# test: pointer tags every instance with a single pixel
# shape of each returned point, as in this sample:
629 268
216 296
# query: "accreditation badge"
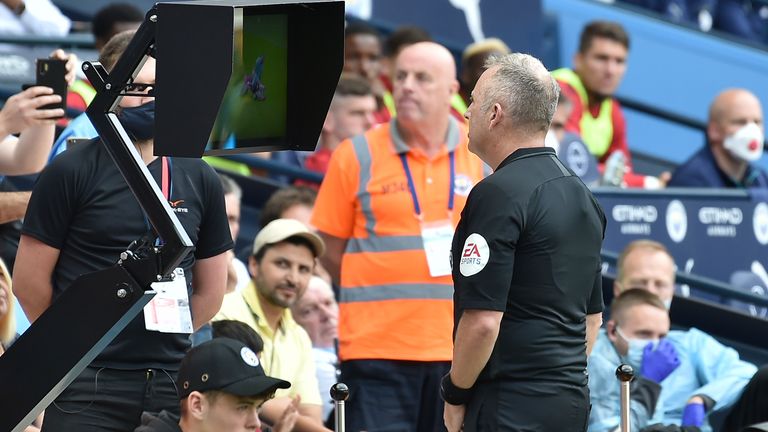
169 312
437 237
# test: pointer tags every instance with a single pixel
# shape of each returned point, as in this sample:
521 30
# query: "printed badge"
474 255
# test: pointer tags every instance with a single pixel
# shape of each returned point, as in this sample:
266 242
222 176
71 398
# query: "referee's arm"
475 338
594 321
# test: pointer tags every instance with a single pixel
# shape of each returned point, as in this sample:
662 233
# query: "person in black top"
526 267
81 216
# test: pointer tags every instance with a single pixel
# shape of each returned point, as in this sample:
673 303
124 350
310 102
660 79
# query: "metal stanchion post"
339 394
625 374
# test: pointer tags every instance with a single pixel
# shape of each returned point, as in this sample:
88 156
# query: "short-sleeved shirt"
528 244
287 351
82 206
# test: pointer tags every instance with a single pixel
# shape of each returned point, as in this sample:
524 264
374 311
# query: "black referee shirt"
528 244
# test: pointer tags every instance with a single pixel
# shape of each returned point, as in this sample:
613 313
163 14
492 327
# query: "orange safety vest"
390 306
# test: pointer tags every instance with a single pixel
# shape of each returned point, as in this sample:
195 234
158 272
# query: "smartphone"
52 73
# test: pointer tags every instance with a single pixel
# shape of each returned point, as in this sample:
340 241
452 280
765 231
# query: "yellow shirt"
287 352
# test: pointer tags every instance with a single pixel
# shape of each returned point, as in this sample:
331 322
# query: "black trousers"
527 407
395 396
102 399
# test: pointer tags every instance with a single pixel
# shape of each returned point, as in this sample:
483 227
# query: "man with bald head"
735 135
646 264
387 209
526 267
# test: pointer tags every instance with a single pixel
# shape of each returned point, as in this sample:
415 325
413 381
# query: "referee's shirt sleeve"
484 247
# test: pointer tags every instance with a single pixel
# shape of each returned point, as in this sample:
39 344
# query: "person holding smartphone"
26 134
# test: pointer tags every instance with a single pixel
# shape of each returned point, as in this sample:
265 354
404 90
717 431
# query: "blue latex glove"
694 414
660 362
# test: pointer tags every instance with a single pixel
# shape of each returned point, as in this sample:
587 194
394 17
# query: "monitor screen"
262 81
253 111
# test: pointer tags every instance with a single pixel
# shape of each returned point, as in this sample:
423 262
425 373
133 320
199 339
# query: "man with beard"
283 258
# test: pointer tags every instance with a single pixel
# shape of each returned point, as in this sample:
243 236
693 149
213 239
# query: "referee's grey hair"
525 90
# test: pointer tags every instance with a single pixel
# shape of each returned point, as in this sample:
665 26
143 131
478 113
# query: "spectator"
23 114
7 313
81 216
270 411
32 17
599 66
747 19
402 37
646 264
383 198
238 276
221 385
113 19
569 146
473 65
362 58
8 325
735 136
350 114
318 312
108 21
284 254
293 202
684 375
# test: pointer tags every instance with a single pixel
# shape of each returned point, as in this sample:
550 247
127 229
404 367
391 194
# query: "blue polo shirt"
701 170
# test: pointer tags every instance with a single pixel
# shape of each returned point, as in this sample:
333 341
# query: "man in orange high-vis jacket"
386 210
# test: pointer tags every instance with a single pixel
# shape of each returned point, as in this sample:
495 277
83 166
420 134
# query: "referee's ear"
497 115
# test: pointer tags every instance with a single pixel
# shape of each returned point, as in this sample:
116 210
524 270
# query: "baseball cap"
281 229
225 365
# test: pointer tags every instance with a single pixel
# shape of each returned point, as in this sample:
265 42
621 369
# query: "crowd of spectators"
345 279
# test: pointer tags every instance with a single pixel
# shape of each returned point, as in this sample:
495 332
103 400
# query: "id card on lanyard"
436 236
169 311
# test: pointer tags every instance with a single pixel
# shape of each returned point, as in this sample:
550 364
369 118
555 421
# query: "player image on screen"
253 82
247 117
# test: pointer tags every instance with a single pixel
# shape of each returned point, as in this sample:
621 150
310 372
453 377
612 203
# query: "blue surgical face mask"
634 355
139 121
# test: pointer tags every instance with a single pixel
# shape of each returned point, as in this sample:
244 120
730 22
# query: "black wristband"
454 395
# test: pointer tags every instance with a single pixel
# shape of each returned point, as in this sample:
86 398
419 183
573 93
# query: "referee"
526 267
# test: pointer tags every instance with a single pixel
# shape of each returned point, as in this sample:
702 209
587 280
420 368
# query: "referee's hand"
453 416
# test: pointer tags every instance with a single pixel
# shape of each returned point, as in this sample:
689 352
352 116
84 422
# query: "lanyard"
166 186
412 186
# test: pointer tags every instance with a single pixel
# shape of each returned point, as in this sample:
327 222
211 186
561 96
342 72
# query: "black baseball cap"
226 365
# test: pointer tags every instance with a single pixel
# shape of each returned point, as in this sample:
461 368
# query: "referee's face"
477 114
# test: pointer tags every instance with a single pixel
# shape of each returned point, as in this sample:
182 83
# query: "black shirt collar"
525 152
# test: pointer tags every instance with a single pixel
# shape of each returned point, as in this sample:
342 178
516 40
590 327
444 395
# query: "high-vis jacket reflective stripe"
597 132
390 306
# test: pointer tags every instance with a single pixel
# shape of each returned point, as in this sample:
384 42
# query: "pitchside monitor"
237 76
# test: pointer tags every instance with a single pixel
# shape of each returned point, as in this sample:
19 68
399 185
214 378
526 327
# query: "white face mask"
746 143
551 141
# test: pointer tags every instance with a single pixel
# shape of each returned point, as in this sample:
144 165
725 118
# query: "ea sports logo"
677 221
474 255
760 223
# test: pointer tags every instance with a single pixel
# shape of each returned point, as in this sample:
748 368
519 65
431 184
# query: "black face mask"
139 121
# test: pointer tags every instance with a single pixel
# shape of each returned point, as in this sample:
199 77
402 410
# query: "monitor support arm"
97 306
